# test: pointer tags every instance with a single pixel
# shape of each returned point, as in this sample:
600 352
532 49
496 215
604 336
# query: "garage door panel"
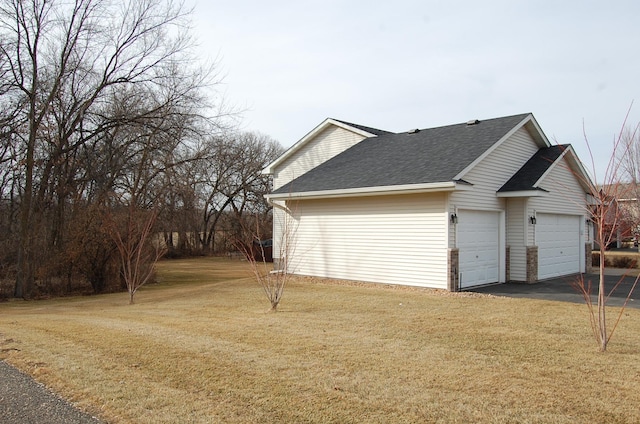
558 239
478 244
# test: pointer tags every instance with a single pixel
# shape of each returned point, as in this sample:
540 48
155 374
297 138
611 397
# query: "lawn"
200 347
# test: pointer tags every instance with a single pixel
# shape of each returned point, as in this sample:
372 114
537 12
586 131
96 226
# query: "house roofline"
575 167
309 136
374 191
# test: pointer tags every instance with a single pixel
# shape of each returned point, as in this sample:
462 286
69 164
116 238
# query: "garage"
558 239
478 234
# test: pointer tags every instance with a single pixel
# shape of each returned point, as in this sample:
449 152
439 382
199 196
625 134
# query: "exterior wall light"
532 219
454 218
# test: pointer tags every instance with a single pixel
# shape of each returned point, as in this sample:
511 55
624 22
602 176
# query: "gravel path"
24 401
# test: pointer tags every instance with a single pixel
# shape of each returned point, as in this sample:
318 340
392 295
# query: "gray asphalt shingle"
427 156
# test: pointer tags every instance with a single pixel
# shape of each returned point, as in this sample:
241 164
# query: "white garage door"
478 234
558 239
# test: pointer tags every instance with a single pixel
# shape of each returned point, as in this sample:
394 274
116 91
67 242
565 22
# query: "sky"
398 65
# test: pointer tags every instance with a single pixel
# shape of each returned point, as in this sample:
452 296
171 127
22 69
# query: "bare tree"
180 216
231 184
272 279
138 253
84 81
606 217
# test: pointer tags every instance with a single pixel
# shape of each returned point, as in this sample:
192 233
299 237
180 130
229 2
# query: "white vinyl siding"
516 227
494 171
329 143
387 239
565 194
280 223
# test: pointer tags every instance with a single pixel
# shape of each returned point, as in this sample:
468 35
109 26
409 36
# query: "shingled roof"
531 172
418 157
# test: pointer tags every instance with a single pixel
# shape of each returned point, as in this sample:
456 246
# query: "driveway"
23 400
560 289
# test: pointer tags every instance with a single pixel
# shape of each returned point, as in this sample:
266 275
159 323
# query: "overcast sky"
397 65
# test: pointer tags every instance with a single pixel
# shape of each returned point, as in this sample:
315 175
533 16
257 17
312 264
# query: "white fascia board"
577 168
550 168
523 193
310 135
373 191
585 178
539 131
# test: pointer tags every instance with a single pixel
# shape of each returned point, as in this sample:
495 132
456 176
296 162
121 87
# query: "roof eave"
523 193
374 191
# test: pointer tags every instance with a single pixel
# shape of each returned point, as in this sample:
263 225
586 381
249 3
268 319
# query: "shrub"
614 261
623 262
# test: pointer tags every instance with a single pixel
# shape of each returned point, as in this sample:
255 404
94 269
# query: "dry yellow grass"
200 347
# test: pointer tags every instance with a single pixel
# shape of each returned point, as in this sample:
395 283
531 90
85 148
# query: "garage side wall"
387 239
329 143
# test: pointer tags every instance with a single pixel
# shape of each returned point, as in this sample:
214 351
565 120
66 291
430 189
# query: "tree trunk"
602 320
25 274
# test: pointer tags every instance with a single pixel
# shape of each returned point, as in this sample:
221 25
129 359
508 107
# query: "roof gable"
369 130
530 176
358 129
529 122
427 156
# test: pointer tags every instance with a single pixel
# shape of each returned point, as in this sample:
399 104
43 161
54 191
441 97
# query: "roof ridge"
465 123
371 130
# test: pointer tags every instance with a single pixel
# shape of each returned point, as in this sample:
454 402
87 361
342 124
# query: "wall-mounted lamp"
532 219
454 218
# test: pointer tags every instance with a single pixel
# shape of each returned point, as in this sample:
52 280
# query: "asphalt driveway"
23 400
560 289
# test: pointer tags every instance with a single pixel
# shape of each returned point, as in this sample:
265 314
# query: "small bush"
616 261
623 262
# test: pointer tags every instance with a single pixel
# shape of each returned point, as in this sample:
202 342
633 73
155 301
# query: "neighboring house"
622 220
451 207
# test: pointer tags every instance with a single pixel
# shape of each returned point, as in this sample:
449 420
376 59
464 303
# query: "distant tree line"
108 123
